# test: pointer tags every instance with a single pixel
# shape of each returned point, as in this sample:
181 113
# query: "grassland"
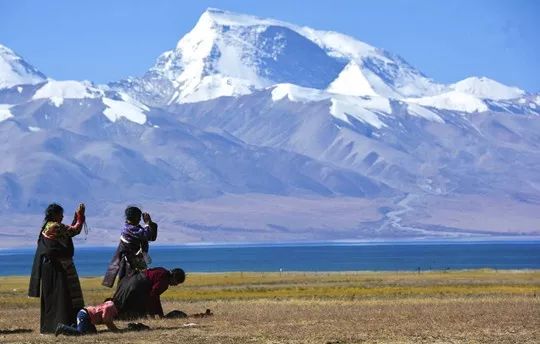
481 306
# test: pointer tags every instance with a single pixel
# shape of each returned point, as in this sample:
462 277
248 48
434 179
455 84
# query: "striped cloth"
74 286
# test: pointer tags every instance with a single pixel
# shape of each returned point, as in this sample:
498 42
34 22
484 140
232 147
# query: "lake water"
92 261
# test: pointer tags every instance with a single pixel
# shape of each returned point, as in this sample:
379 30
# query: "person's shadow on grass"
158 328
16 330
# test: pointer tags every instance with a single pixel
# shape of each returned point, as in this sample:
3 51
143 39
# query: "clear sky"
106 40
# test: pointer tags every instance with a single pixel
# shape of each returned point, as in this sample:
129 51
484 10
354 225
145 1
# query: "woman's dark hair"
52 212
178 276
133 214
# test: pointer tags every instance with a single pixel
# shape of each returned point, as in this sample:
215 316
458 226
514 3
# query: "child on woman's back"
132 253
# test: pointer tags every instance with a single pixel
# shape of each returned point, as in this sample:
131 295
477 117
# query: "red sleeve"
76 225
154 305
159 279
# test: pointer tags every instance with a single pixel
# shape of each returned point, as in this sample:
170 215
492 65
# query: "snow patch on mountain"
419 111
341 106
213 86
486 88
57 91
338 44
298 94
351 81
4 112
126 107
14 70
453 100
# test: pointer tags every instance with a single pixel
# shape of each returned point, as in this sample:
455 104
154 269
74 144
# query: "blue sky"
105 40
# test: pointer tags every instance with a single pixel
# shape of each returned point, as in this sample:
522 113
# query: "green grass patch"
339 286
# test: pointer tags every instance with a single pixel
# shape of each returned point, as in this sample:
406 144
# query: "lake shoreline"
307 257
454 241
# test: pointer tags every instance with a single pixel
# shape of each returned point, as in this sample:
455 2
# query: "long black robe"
51 281
131 296
120 263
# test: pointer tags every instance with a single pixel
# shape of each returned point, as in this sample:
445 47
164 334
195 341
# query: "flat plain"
478 306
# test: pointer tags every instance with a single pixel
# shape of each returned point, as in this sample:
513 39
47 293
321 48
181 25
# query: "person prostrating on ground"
139 295
89 317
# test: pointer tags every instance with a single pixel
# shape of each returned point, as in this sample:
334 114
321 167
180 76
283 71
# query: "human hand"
81 209
146 218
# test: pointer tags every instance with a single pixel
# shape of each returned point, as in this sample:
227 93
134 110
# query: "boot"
66 330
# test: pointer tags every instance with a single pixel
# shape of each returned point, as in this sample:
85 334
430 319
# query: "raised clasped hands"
146 218
81 209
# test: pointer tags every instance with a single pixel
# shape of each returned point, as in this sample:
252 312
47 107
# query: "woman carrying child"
131 256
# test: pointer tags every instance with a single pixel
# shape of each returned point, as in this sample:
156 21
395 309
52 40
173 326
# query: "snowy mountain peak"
232 54
229 54
14 70
228 18
486 88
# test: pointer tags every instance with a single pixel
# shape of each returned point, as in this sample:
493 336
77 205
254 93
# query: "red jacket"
159 279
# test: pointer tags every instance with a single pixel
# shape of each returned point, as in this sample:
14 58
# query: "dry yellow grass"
480 306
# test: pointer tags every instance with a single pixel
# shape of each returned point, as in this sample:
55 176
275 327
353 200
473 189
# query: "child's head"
177 276
133 215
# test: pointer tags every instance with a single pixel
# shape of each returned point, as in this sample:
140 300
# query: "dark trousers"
84 325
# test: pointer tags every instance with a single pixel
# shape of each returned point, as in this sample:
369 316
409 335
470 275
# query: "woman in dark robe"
54 277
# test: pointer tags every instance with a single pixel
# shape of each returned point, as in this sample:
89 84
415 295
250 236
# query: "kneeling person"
139 295
90 316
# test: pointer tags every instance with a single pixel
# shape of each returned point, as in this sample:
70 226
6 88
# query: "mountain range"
255 129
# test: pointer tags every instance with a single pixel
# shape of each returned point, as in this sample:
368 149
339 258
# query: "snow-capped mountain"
228 54
16 71
245 109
